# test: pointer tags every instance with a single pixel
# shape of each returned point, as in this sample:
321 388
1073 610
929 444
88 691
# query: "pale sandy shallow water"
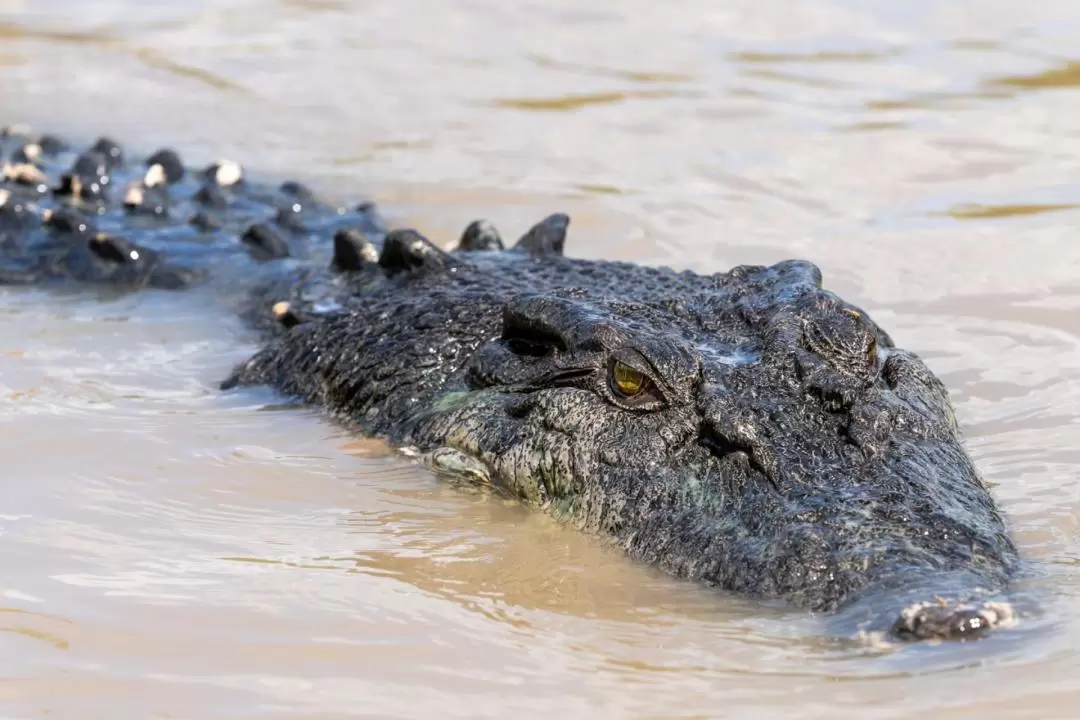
169 551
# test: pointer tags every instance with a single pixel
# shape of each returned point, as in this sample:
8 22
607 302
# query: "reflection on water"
170 551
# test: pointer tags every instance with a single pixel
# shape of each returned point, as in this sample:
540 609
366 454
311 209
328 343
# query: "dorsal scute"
113 249
480 235
353 250
547 237
264 242
408 250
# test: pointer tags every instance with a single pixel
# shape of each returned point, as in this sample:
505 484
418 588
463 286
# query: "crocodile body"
747 429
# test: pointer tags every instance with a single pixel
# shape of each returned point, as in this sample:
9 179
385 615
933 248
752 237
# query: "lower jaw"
447 461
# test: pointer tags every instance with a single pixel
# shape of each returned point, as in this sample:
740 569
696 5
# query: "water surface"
172 552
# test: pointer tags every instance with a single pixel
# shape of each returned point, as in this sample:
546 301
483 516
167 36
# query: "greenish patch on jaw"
456 398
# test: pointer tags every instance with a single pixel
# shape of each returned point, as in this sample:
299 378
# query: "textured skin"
781 447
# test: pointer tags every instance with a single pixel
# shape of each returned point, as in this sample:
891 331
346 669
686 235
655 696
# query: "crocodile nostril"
721 446
729 439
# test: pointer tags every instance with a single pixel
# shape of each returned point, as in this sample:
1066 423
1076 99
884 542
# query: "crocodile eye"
626 381
871 351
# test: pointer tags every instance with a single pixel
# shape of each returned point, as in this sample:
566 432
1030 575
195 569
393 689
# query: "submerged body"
747 429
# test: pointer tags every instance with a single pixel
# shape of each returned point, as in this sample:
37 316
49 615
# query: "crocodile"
747 429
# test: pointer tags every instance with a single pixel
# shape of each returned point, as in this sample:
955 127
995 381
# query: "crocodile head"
747 429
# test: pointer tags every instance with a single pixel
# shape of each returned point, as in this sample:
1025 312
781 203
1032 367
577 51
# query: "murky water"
168 551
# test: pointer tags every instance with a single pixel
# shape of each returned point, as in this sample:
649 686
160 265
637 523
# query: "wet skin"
747 429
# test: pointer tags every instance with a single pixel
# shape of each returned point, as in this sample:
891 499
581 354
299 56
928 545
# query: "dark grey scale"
264 242
148 201
113 249
88 178
170 164
480 235
51 145
298 192
14 214
298 206
27 153
210 195
369 220
111 150
225 174
288 316
206 222
75 187
174 278
353 250
19 276
291 218
104 258
547 237
92 164
27 175
405 250
67 220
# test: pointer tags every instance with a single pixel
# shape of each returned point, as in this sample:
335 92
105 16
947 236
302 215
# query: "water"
172 552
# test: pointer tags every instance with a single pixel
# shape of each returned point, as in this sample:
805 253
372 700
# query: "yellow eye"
871 351
626 380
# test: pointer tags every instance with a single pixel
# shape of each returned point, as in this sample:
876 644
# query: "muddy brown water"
168 551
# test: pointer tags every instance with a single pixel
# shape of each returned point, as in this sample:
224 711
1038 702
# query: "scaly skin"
747 429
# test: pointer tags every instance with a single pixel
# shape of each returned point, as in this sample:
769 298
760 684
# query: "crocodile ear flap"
547 237
408 250
352 251
113 249
480 235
